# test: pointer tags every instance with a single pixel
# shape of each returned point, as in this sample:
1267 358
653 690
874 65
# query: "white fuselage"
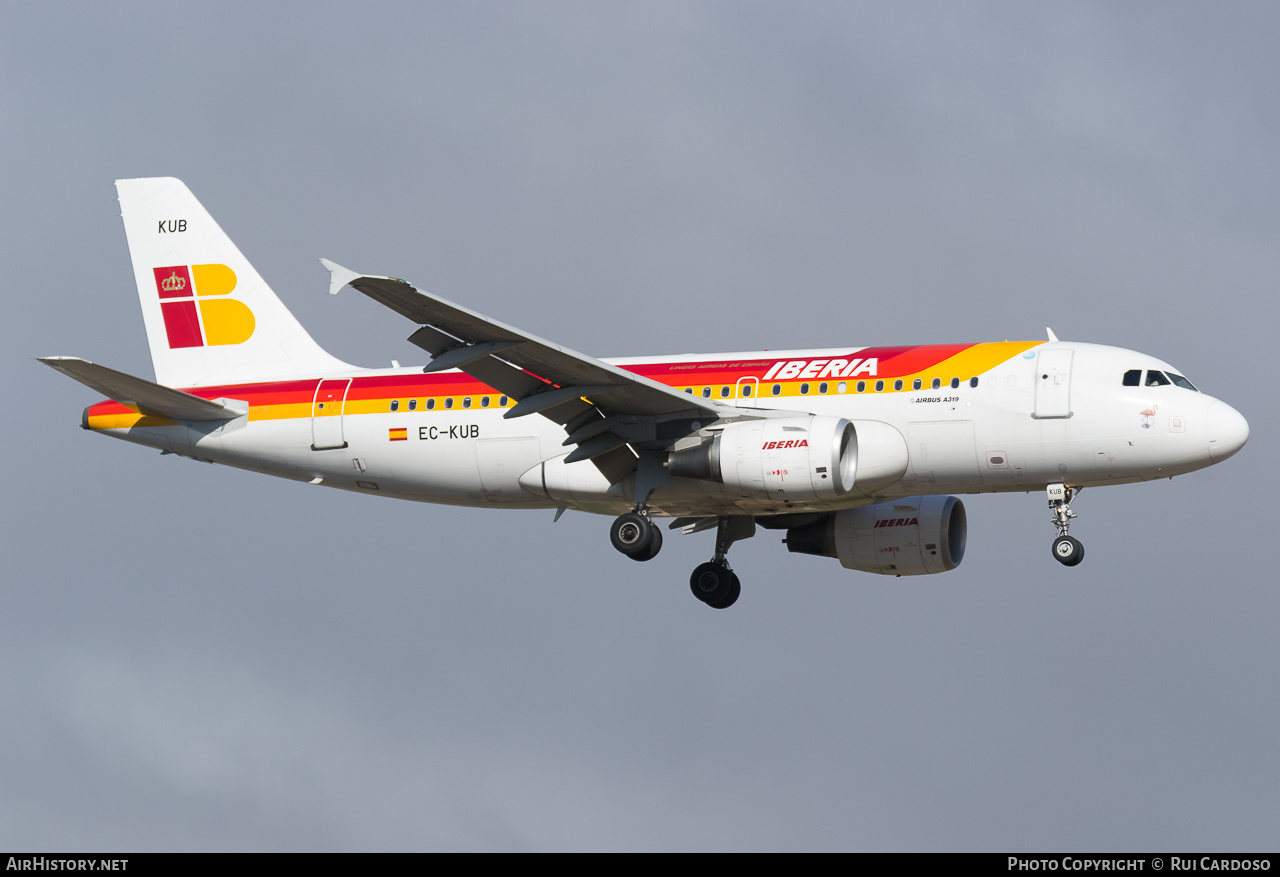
1020 428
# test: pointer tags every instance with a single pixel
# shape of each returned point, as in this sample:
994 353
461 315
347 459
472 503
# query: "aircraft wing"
138 393
587 396
457 337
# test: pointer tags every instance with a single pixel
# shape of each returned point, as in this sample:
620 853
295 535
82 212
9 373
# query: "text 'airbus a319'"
854 451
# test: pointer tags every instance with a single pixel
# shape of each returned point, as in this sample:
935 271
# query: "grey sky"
199 658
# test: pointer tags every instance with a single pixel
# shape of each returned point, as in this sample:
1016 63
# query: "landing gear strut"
714 582
634 534
1066 550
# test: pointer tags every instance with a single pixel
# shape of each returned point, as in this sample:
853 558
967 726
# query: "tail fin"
210 318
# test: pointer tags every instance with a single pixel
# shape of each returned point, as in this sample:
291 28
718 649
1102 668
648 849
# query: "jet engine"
791 458
915 535
797 458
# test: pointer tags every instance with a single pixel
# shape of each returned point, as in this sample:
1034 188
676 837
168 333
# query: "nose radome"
1228 431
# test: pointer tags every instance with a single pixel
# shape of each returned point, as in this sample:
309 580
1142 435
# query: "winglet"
339 276
1049 332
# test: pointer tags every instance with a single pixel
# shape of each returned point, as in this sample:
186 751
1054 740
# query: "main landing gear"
1066 550
635 535
714 582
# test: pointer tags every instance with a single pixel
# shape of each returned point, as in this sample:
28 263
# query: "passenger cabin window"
937 383
706 392
915 385
822 388
413 404
777 388
879 386
689 390
431 403
1156 379
955 383
724 392
842 387
804 389
1133 377
746 389
484 401
897 385
448 403
973 382
861 386
395 404
502 402
466 403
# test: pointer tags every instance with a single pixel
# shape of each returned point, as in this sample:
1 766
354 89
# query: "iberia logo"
191 317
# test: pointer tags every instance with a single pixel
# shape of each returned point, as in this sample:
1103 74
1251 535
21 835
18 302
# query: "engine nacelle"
790 458
916 535
797 458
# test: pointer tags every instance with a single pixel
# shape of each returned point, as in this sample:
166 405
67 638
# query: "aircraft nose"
1228 431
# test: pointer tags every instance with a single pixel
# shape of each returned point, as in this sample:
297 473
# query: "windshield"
1135 377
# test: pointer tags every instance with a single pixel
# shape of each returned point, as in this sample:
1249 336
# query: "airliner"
855 452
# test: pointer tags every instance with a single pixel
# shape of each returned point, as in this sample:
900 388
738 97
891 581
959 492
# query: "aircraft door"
747 391
326 414
1053 382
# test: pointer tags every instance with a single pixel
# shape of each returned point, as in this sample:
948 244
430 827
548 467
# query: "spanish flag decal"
398 434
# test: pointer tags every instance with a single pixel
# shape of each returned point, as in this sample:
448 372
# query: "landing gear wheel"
735 591
655 545
632 534
1067 550
715 585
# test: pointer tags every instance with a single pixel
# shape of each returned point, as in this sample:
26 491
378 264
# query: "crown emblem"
173 283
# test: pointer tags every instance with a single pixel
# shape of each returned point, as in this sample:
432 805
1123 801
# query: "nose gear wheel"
1066 550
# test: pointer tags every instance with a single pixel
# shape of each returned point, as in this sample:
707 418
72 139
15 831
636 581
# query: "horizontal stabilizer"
138 393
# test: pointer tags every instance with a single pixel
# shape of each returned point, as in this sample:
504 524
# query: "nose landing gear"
1066 550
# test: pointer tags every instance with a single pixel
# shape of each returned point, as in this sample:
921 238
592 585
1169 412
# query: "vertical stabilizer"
210 318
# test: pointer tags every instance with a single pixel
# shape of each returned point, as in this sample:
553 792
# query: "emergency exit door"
326 414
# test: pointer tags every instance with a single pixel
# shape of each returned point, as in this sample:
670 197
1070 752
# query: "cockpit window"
1133 377
1182 382
1156 379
